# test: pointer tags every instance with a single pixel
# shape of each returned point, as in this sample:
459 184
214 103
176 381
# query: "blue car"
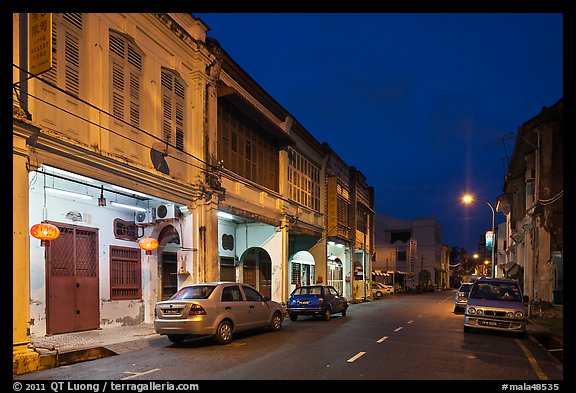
316 300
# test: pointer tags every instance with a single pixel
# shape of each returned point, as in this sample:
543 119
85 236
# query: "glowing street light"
468 199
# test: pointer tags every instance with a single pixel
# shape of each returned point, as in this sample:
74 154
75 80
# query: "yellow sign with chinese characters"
39 42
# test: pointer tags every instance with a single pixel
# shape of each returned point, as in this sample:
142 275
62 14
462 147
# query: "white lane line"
134 375
399 328
355 357
410 321
382 339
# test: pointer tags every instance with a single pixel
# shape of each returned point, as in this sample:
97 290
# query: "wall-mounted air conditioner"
144 218
167 212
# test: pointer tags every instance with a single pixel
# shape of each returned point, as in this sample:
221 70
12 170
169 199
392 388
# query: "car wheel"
224 332
344 312
176 338
276 323
379 294
327 314
293 317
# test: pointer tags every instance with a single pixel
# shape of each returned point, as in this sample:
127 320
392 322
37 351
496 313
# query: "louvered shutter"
66 45
126 67
173 109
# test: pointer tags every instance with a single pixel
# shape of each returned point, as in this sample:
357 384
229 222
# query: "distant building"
412 250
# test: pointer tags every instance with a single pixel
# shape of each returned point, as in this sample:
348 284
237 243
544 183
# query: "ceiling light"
225 215
68 174
68 194
130 191
130 207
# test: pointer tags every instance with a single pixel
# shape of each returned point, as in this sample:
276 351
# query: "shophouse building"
144 128
532 201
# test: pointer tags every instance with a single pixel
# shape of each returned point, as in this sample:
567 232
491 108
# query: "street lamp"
468 199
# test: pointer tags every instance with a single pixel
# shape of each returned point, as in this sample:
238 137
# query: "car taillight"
196 309
320 300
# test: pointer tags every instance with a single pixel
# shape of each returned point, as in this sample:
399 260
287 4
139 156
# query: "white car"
379 289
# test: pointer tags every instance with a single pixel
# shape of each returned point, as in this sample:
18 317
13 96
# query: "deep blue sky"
419 103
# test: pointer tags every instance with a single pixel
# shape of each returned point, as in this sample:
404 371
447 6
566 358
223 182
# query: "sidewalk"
68 348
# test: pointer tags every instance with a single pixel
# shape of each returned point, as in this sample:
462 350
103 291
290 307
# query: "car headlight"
479 312
519 314
510 314
471 310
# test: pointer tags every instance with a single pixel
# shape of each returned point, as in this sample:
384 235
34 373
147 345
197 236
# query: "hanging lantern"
45 232
149 244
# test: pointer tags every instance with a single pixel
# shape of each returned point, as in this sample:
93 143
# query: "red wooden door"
72 280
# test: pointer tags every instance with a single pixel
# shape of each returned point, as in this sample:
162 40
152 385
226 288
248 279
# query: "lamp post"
469 199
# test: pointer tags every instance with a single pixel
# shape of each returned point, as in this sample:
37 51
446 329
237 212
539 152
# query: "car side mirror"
525 298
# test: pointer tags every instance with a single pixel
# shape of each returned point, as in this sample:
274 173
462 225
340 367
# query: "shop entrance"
169 243
72 300
257 270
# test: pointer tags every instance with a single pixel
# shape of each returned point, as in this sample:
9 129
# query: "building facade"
533 204
143 127
412 250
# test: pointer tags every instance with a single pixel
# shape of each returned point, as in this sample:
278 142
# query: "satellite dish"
159 161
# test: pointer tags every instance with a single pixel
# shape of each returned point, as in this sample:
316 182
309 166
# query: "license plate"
304 302
175 311
487 323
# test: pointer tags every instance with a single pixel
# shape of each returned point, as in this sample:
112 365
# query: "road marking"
532 361
382 339
410 321
353 358
398 329
139 374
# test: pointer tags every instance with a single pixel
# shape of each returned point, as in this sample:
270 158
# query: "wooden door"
72 280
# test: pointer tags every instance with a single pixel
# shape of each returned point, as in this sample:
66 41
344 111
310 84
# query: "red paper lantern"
45 231
149 244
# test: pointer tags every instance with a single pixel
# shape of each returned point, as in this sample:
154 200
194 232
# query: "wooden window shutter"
173 118
126 67
66 49
73 37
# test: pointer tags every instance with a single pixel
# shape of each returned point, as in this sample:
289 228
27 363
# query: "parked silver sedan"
217 309
497 304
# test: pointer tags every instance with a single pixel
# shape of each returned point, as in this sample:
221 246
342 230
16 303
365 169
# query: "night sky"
426 105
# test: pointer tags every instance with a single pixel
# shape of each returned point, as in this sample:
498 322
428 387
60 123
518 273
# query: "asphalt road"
400 337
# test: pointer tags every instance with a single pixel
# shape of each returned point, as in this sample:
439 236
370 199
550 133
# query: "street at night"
400 337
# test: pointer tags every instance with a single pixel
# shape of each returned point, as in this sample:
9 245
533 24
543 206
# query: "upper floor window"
173 109
303 180
126 69
66 50
245 148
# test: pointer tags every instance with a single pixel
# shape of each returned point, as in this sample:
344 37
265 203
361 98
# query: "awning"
379 273
243 104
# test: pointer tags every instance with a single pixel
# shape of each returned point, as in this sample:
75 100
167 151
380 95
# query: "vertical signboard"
39 42
489 240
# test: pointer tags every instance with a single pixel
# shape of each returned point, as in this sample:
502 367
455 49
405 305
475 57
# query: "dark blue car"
321 300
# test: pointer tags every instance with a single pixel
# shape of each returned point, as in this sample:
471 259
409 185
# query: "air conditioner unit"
167 212
144 218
